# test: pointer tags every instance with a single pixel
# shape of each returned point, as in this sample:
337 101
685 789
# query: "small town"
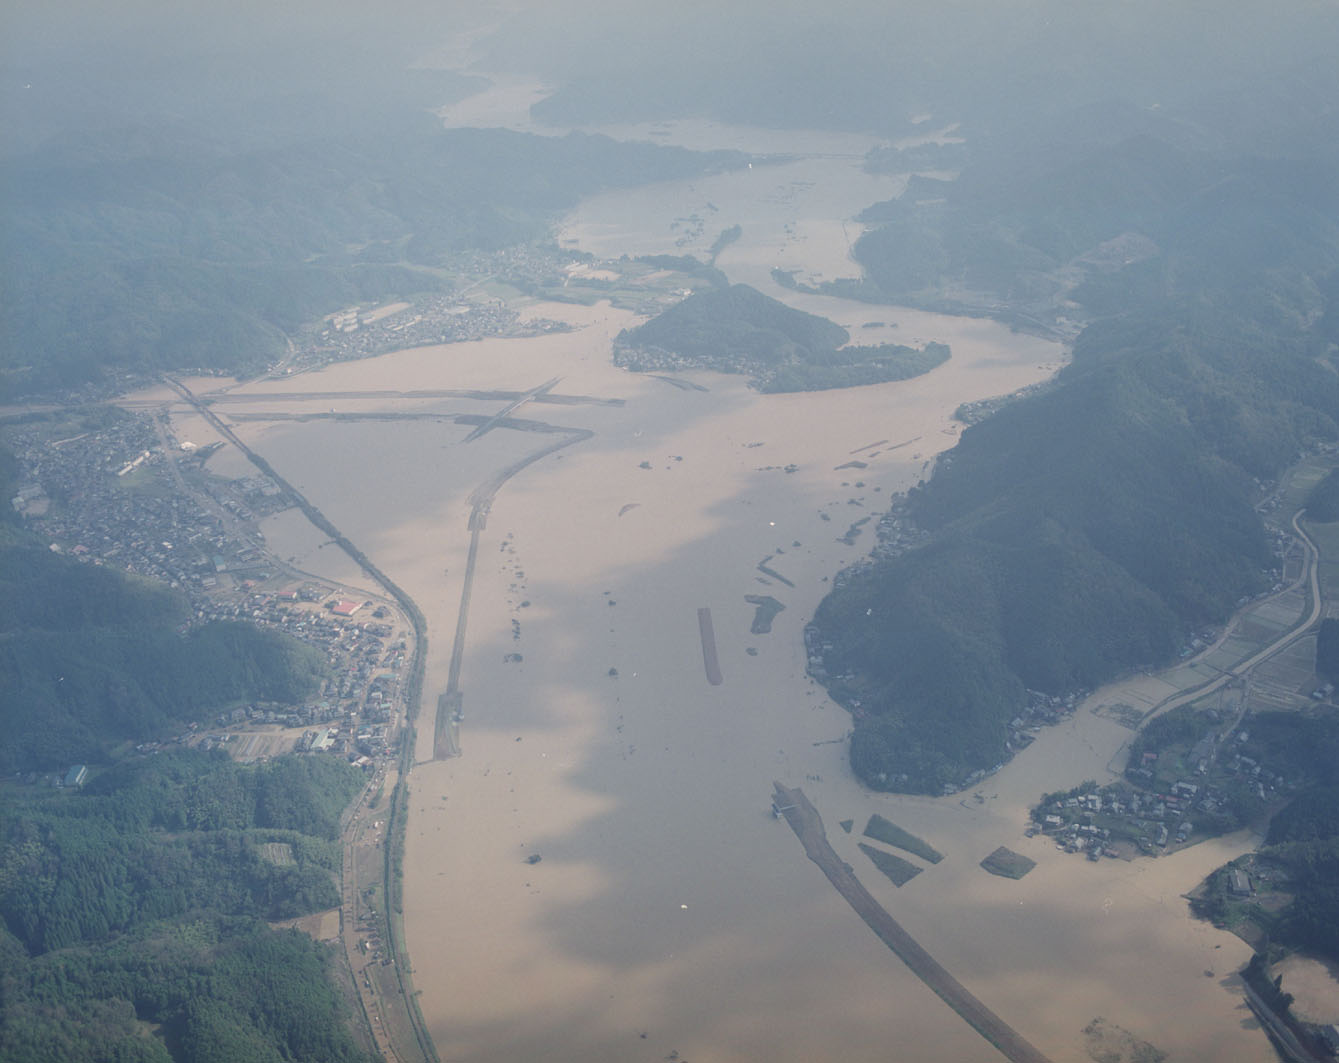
1195 787
132 497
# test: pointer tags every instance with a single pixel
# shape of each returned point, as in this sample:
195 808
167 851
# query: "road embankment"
805 821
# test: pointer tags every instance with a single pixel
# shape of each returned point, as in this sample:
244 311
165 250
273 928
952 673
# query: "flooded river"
668 915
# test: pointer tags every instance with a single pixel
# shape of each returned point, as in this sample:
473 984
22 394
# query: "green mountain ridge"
1085 530
1077 534
156 253
738 329
90 658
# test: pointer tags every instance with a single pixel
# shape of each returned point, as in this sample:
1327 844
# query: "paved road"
219 397
415 617
511 407
1311 576
354 825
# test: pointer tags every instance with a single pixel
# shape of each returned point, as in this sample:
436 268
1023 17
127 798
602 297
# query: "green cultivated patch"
899 871
278 853
765 610
1007 863
891 834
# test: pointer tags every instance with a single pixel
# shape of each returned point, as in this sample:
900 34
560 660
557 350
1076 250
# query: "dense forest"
1303 838
737 329
164 218
129 913
1086 529
90 657
131 908
1322 502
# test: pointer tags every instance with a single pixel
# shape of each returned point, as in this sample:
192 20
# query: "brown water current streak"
805 821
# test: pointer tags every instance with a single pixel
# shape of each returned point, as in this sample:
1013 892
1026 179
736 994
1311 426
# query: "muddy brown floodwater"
670 912
668 902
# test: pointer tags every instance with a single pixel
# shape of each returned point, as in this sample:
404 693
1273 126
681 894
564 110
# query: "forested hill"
91 657
1040 231
737 321
131 914
737 329
132 908
873 66
1086 530
140 235
1077 533
155 252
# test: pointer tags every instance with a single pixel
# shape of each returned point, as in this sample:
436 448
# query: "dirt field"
323 926
262 744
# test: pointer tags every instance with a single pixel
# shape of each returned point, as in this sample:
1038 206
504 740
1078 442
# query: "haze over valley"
610 533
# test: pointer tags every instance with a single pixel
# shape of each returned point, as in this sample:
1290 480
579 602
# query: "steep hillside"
90 657
1075 534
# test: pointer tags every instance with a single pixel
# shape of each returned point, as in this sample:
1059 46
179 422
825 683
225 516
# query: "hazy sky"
853 60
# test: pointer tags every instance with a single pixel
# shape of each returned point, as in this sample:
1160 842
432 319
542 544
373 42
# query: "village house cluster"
356 711
1094 822
365 656
77 496
354 714
353 333
1206 801
143 525
457 317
